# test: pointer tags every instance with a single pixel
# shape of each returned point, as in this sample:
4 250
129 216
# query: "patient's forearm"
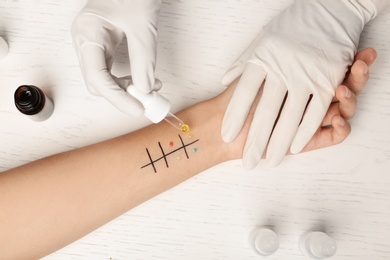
52 202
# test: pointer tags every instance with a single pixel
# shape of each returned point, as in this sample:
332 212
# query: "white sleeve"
381 5
369 9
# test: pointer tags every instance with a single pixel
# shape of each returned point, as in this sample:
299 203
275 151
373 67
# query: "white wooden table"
344 190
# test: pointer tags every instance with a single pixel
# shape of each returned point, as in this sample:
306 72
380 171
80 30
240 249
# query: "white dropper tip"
177 122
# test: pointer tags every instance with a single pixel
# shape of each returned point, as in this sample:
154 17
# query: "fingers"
233 73
99 79
335 125
286 128
358 77
329 136
346 106
241 101
142 53
347 102
312 119
359 74
237 68
367 55
345 99
263 121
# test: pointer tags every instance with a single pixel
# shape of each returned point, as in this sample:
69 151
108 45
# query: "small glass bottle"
31 101
317 245
264 241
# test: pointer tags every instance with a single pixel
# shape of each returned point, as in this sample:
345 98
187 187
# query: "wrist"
205 118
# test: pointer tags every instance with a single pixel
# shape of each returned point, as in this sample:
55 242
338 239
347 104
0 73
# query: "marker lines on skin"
165 155
184 146
151 161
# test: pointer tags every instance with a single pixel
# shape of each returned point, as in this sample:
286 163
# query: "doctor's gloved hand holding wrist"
99 29
301 57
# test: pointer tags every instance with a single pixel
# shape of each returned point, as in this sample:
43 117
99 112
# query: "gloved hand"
99 29
301 57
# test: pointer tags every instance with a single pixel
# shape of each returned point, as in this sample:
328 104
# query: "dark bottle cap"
29 99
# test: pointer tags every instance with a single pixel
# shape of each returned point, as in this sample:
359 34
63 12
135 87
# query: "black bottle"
32 102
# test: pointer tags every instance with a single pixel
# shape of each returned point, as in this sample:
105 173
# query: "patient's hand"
335 127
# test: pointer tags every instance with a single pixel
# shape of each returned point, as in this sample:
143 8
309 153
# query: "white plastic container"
317 245
264 241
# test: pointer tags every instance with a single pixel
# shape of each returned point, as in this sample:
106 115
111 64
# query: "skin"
344 104
54 201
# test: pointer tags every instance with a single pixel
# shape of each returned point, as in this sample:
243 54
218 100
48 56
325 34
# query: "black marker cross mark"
164 155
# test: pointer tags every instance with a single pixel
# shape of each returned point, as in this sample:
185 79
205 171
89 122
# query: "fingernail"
341 121
373 57
348 93
365 70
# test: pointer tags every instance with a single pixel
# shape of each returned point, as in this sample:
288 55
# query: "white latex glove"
305 53
99 29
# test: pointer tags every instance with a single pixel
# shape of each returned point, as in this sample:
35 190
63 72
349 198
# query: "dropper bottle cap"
156 106
317 245
264 241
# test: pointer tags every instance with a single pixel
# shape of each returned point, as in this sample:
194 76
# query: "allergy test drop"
177 122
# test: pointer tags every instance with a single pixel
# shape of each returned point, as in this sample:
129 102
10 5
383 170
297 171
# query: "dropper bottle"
317 245
32 102
157 108
264 241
